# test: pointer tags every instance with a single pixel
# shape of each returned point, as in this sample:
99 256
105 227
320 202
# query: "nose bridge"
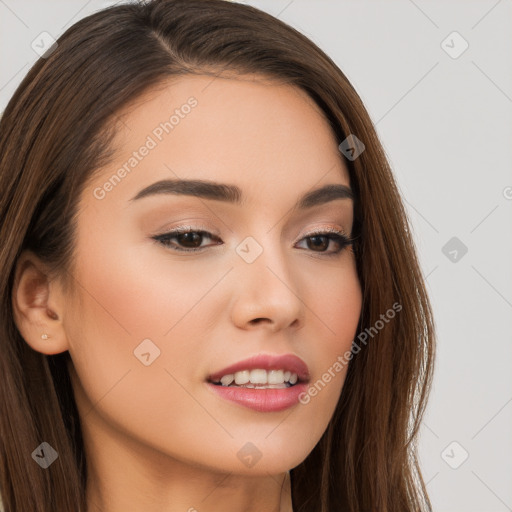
267 284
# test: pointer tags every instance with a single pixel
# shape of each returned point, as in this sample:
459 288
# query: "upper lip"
286 362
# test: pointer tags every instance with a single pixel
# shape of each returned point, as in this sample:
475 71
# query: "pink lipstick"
265 383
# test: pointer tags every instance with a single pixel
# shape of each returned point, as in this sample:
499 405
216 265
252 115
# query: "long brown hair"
56 132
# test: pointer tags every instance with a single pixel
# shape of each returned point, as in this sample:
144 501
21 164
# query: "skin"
156 438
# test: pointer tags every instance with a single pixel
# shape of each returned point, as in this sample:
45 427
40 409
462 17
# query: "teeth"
259 378
227 380
242 377
275 377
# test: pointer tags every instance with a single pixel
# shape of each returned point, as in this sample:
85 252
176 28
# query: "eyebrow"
233 194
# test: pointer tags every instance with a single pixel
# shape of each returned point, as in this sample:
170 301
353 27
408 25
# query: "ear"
38 306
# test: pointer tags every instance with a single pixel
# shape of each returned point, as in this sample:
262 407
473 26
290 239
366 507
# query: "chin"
265 460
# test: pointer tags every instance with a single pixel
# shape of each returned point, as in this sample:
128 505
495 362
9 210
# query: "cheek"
132 306
135 291
334 302
125 303
127 300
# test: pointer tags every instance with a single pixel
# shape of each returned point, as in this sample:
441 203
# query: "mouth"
259 378
263 371
263 382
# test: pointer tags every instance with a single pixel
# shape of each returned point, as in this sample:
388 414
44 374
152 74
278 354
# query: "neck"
123 474
192 492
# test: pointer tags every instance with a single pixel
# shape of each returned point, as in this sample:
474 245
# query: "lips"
286 362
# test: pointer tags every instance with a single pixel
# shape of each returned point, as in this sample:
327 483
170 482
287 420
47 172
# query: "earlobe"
37 306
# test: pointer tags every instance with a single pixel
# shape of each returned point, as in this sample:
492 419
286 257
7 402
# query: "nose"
266 293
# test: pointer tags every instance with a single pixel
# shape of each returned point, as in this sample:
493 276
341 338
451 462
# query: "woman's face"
157 319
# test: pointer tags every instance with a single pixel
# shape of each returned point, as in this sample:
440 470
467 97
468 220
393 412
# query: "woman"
212 299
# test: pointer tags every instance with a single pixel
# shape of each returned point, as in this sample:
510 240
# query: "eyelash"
331 233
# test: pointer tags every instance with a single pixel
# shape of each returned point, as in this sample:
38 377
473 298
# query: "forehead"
263 136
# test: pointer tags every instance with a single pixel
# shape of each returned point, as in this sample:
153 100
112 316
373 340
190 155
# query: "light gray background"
446 126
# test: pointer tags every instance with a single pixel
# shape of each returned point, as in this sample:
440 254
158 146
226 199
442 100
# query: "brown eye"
318 242
191 240
186 240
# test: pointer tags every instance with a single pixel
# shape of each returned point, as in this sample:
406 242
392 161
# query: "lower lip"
262 400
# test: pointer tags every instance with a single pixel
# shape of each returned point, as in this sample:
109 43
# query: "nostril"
257 320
